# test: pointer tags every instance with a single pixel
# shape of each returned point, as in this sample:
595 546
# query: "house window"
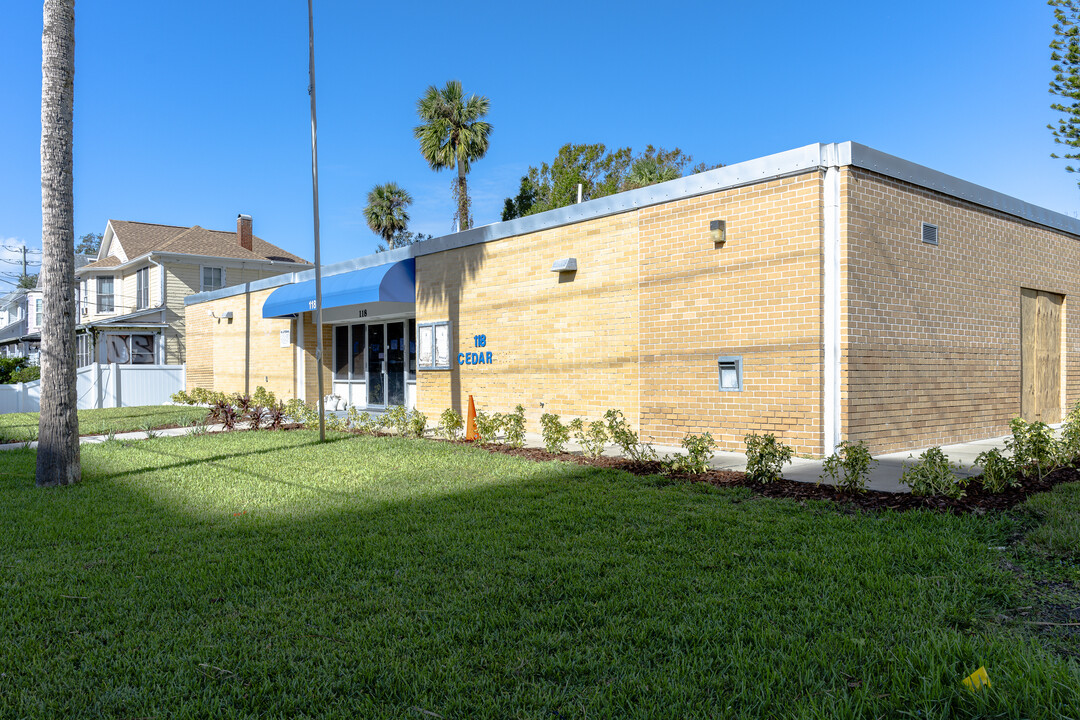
730 374
213 278
130 349
37 311
433 345
105 294
82 350
142 289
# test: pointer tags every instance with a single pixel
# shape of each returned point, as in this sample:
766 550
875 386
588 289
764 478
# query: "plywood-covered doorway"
1040 355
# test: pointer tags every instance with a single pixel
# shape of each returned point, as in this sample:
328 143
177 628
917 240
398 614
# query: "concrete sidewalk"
884 476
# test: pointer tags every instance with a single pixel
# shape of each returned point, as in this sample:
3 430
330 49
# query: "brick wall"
932 333
641 323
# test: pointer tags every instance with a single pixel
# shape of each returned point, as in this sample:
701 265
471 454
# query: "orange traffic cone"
470 424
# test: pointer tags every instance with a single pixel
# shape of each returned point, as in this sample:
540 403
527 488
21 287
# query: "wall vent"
929 234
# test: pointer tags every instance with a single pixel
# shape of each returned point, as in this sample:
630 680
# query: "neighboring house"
131 297
831 292
21 316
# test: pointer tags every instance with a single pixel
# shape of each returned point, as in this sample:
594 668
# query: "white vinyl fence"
104 386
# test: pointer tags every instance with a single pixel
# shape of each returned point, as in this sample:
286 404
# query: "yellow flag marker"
977 680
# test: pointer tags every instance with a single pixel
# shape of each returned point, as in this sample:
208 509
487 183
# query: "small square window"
730 374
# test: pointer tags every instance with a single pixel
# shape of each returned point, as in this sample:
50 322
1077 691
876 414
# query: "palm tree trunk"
464 221
58 425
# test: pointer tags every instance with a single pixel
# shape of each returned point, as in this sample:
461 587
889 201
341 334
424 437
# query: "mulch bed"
976 500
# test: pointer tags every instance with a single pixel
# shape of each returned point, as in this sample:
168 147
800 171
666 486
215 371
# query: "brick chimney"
243 231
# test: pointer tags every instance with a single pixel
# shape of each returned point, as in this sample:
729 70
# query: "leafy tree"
1065 54
58 422
387 211
28 282
599 171
453 135
89 244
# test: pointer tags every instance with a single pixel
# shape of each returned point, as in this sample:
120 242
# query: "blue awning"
393 282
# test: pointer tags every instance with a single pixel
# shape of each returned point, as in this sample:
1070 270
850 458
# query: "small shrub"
275 416
450 423
296 409
627 440
514 427
765 457
219 409
591 439
398 418
334 423
999 471
181 398
849 467
242 402
933 474
488 427
1069 445
10 365
699 451
554 432
417 423
26 374
263 397
229 416
257 415
1034 449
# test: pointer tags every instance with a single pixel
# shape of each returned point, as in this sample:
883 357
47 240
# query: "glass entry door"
376 366
395 363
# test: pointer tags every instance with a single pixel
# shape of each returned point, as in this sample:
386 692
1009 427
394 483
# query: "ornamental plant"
450 423
554 432
592 439
417 423
699 451
934 474
488 426
849 467
1069 445
765 457
1034 449
627 440
398 418
999 471
514 427
263 397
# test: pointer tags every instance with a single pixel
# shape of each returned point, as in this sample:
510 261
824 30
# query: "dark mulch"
976 499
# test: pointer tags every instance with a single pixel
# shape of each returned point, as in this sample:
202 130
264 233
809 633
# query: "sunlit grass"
18 427
254 574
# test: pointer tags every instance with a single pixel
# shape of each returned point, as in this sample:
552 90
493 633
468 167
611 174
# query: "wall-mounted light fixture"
565 265
227 315
718 231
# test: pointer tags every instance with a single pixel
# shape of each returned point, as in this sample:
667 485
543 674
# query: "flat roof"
808 158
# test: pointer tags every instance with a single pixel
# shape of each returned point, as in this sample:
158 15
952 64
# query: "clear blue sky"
191 112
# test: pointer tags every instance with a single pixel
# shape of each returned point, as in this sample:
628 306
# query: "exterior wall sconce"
565 265
227 315
718 231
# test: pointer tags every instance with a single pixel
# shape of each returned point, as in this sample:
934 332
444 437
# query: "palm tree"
58 424
648 171
386 212
453 136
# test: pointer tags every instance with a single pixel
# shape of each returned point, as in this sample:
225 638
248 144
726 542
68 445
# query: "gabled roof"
138 239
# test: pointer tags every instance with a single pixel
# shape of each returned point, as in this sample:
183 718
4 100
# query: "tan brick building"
825 293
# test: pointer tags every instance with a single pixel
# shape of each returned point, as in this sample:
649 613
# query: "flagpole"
315 211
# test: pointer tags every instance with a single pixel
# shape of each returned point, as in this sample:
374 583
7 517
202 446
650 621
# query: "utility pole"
315 212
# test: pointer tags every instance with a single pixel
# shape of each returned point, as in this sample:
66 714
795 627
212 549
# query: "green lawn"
263 574
17 427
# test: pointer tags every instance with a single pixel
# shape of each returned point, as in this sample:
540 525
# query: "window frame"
431 330
142 288
202 277
727 362
99 295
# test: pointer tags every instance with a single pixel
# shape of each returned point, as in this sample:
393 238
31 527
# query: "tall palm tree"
58 425
453 135
386 212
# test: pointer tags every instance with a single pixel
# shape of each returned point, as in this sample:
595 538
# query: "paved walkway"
884 476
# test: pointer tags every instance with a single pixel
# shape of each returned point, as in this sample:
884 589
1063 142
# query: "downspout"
831 420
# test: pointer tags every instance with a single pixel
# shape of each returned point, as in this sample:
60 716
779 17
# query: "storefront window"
412 349
341 352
